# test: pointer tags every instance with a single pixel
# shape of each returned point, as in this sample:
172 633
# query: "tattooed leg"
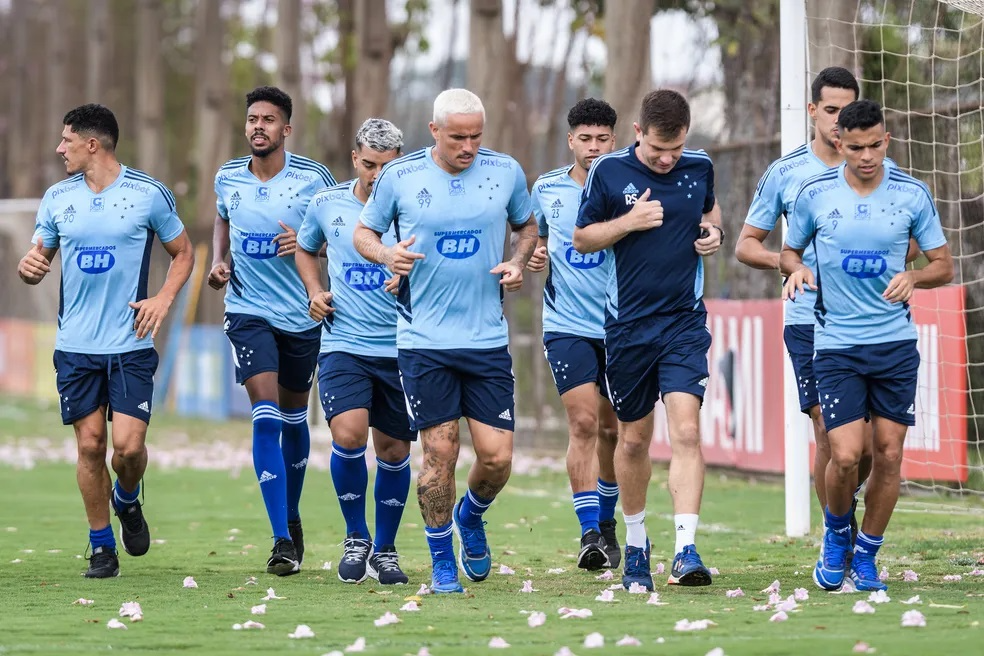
435 482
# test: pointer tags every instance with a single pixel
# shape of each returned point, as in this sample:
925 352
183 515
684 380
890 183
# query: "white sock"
635 529
686 530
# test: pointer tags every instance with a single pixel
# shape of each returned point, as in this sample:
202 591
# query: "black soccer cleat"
612 548
134 532
356 551
592 555
297 537
103 564
283 559
384 566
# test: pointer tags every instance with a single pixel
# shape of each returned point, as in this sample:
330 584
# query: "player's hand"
319 306
286 240
392 285
150 315
219 275
401 258
710 244
645 214
900 288
511 275
798 282
34 266
538 261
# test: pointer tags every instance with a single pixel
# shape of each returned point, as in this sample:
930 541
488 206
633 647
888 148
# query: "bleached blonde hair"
456 101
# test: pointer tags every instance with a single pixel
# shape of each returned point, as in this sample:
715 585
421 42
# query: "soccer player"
656 336
358 377
574 332
261 201
104 218
858 218
450 205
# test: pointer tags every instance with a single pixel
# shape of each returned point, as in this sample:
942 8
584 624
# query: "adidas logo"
144 406
557 203
423 194
392 503
236 196
338 221
703 382
834 215
349 496
300 465
681 528
266 476
505 414
911 410
630 189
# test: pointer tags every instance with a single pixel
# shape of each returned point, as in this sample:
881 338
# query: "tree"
287 43
628 76
832 38
151 147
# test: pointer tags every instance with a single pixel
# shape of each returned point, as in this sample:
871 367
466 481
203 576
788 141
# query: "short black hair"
592 111
97 121
274 96
837 77
860 115
667 111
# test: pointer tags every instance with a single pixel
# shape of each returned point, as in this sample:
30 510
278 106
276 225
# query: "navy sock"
122 498
472 509
439 541
296 445
607 500
868 545
391 491
351 478
586 506
102 538
268 462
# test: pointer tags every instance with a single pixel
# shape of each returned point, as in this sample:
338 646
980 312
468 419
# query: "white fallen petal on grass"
606 596
594 641
498 643
909 576
847 587
54 551
800 594
775 598
564 651
636 588
302 631
879 597
863 648
883 575
234 531
781 616
410 607
577 613
737 592
556 570
505 570
714 571
15 561
258 610
654 600
536 619
83 602
334 653
773 588
326 566
952 577
189 582
131 609
660 568
788 605
386 619
913 618
424 590
423 651
912 600
246 626
863 608
158 541
528 586
628 641
28 551
717 651
271 595
608 575
762 607
115 624
251 580
357 646
616 587
696 625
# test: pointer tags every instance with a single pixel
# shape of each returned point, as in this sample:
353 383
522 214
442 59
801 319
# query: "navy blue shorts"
123 382
799 343
258 347
446 385
347 381
878 379
653 356
575 360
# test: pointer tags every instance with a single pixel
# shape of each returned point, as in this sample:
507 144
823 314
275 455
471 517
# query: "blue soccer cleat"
832 562
445 577
864 573
474 556
636 568
688 569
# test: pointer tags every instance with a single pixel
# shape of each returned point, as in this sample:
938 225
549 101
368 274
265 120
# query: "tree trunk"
374 42
211 99
831 35
490 63
287 40
29 138
627 74
98 56
151 147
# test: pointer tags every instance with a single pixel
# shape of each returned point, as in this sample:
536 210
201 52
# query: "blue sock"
391 491
268 462
587 508
122 498
351 478
439 541
868 545
472 509
102 538
608 499
836 522
296 445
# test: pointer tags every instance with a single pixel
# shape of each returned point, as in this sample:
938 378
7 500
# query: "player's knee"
634 446
348 439
583 426
608 434
92 447
686 438
133 449
888 455
392 450
845 458
497 463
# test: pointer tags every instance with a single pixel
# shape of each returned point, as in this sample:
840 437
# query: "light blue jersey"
262 284
574 295
861 244
450 300
364 321
105 241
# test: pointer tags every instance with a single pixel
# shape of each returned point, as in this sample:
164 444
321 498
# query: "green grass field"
214 529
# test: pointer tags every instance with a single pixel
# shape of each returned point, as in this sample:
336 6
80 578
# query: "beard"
263 151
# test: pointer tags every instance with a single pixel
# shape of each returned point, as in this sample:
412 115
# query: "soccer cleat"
831 565
612 548
636 568
103 564
356 552
474 556
592 555
688 569
864 573
297 537
134 532
283 559
384 566
445 577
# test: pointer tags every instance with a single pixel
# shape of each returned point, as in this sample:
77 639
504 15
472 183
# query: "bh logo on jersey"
582 261
260 246
97 259
864 265
459 244
364 278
